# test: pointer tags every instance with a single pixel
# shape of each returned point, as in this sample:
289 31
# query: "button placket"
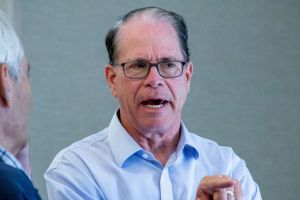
166 185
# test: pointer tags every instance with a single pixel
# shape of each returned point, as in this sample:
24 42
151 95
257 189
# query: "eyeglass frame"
183 64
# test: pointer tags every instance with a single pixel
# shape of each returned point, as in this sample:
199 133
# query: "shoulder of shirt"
89 140
86 142
201 142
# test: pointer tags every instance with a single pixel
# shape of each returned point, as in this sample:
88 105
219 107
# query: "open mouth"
154 103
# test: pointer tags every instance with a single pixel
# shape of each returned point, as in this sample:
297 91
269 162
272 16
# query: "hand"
23 157
219 187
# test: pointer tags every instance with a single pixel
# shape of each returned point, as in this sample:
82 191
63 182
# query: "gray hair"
11 49
150 13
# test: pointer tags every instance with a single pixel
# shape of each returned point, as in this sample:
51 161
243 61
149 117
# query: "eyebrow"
159 60
169 59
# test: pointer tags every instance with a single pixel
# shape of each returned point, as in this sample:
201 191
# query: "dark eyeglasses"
140 69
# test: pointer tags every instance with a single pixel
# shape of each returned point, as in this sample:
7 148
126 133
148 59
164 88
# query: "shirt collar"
186 144
124 146
9 159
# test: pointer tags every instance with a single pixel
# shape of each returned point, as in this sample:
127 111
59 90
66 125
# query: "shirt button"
145 156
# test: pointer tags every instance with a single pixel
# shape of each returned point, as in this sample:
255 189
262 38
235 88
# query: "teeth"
154 106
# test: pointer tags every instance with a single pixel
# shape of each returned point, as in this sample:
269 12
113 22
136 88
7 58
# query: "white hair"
11 49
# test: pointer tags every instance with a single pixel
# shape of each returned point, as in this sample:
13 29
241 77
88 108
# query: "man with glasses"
147 152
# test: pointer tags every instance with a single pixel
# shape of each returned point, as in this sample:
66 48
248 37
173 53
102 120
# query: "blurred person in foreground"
15 105
147 152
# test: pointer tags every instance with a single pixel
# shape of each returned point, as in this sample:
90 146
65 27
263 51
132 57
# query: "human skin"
155 127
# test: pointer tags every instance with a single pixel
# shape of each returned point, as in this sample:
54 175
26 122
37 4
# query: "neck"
7 140
9 144
5 144
161 141
161 145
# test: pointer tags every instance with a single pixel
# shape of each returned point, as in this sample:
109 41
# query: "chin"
154 126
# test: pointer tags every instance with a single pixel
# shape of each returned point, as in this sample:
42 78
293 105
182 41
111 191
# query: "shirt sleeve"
69 179
240 172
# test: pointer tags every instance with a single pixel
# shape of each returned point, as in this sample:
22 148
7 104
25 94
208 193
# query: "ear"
5 86
188 74
110 75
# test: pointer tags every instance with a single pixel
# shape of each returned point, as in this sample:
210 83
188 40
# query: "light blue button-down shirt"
111 165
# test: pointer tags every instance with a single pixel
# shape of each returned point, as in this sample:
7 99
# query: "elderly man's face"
20 104
152 104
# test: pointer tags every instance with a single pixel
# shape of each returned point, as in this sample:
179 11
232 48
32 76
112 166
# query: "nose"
153 79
